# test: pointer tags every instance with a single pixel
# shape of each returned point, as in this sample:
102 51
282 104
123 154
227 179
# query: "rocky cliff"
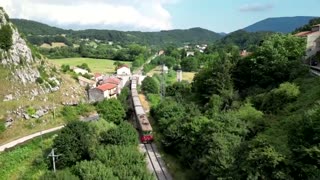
17 55
27 80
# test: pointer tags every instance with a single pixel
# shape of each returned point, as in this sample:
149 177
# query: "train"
144 126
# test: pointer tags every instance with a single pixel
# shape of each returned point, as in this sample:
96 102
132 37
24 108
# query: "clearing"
96 65
187 76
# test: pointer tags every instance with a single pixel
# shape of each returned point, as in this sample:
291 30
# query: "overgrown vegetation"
6 37
239 117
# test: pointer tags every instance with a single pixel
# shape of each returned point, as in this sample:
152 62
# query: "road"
26 138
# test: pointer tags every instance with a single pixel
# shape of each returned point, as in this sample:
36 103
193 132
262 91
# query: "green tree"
111 110
190 64
123 134
6 37
93 170
214 79
150 85
277 60
73 144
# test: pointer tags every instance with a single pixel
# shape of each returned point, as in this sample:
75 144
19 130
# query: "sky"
154 15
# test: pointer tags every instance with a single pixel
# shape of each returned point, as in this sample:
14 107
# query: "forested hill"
193 35
245 40
29 27
279 24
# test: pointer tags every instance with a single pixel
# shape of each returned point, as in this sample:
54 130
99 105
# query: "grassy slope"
25 161
96 65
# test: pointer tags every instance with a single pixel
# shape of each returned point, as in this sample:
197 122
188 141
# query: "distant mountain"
279 24
193 35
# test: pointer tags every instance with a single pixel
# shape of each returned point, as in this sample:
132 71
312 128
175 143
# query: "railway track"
315 70
156 162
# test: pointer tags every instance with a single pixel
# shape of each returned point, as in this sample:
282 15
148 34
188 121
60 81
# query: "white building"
123 70
190 53
313 40
80 71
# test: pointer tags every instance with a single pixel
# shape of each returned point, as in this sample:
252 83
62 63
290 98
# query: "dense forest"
253 117
308 26
34 30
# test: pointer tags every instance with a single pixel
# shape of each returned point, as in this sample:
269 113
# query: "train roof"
139 110
134 93
136 101
144 123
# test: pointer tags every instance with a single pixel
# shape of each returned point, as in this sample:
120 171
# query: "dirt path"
26 138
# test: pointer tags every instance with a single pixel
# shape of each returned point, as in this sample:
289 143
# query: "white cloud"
133 14
255 7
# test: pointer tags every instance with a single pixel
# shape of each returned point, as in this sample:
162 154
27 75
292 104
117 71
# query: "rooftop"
107 86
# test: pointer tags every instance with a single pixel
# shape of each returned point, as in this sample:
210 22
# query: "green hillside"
193 35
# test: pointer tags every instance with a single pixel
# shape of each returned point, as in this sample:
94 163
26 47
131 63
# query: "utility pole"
53 159
163 84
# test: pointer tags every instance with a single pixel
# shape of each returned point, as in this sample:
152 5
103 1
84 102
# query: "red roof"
124 65
107 86
112 80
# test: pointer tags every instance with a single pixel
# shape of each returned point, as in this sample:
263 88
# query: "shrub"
39 80
2 126
6 37
31 111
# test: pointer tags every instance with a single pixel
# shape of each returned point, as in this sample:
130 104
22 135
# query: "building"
190 53
114 80
313 40
165 69
123 70
86 82
98 77
179 75
161 52
80 71
105 91
245 53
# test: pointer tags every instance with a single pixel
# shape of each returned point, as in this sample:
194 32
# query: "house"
190 53
103 91
313 40
98 77
123 70
165 69
114 80
245 53
80 71
161 52
86 82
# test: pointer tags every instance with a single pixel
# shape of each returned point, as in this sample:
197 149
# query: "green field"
96 65
27 161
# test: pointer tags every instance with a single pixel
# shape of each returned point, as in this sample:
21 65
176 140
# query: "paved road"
26 138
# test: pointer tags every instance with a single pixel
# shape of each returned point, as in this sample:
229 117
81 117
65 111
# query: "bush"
6 37
111 110
150 85
31 111
39 80
124 134
2 126
276 99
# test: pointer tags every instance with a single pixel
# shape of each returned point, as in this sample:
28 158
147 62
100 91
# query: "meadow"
96 65
27 161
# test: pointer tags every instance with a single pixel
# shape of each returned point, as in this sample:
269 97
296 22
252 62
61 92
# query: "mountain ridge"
179 36
279 24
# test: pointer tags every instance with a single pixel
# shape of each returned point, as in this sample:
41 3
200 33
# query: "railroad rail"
156 164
